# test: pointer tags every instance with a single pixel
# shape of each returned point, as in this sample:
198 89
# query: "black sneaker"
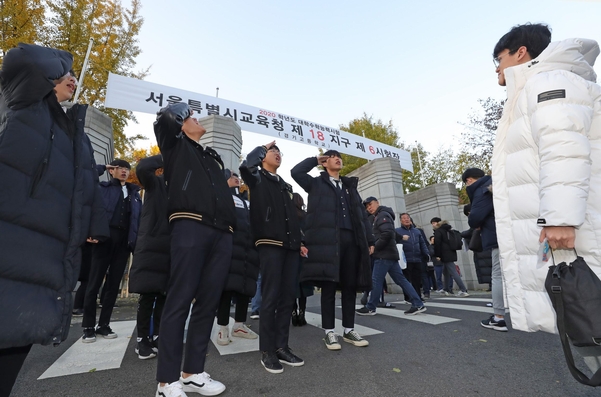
144 349
78 313
415 310
286 356
364 311
106 332
89 335
294 318
331 341
254 315
301 318
271 362
490 323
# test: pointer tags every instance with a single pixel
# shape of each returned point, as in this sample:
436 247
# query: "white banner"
141 96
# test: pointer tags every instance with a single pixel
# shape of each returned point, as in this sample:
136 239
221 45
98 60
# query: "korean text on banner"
141 96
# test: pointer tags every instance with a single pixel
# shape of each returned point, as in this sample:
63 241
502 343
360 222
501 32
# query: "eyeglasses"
276 152
122 168
497 60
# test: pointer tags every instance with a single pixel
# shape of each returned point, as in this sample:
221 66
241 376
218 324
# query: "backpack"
455 240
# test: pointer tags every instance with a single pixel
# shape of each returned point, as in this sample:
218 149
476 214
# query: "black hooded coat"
49 202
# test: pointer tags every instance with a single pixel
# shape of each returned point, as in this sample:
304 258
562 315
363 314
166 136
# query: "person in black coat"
202 220
242 279
277 236
305 289
482 216
149 271
447 254
340 241
122 205
49 202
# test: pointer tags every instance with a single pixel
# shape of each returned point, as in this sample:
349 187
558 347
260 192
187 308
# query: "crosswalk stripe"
315 320
90 357
448 298
237 345
420 318
470 308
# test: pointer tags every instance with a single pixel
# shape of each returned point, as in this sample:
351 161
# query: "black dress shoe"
301 318
285 356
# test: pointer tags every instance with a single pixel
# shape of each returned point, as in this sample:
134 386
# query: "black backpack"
455 240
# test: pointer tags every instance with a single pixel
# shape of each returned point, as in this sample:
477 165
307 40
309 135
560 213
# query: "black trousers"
200 262
349 258
414 275
108 258
223 312
279 269
150 306
84 275
11 361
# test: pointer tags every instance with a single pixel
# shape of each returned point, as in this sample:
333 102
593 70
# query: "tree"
367 127
478 139
70 26
415 180
20 21
134 158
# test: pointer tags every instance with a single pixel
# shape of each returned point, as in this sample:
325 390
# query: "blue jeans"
383 266
440 272
256 301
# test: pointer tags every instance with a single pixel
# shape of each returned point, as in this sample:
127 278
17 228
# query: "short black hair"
331 153
435 219
535 37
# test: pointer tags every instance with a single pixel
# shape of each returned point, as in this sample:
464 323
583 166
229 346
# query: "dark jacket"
321 227
150 268
244 269
416 247
482 259
111 191
482 213
49 202
272 212
383 228
435 261
442 246
194 175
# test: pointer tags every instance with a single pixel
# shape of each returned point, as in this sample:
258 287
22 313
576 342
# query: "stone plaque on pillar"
225 136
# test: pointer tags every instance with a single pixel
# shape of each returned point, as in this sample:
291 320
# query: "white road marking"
90 357
315 320
470 308
454 298
420 318
237 345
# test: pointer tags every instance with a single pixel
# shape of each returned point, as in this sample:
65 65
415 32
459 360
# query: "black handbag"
476 241
575 292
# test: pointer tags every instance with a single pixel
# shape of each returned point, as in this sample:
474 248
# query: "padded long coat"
547 171
321 233
49 202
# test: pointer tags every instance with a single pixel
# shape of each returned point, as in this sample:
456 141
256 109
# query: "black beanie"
472 173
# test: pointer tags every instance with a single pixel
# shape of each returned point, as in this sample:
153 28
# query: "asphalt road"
408 358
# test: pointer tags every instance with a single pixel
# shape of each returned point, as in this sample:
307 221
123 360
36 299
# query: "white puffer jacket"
547 168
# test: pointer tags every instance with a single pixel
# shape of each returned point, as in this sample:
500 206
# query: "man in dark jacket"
202 219
482 216
49 202
122 205
277 236
149 272
339 239
447 254
386 260
242 279
416 252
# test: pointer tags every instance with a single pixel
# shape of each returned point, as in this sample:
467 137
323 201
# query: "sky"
421 64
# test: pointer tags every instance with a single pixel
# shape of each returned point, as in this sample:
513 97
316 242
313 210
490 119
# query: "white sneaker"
202 384
170 390
223 336
463 294
243 332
